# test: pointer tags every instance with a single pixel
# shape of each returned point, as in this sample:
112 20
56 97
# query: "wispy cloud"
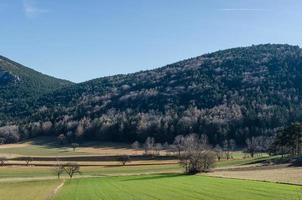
31 9
243 10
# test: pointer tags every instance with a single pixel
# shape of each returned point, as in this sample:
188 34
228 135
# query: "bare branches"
149 145
124 159
135 145
74 146
179 143
2 161
71 168
197 155
28 160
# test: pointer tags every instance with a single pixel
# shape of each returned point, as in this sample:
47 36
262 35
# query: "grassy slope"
291 175
242 161
31 190
173 187
48 146
40 150
34 172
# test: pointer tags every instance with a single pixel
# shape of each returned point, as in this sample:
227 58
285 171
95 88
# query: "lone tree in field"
158 147
232 143
71 169
3 161
28 160
136 146
124 159
218 152
197 155
227 149
74 146
252 146
59 169
61 139
179 143
149 145
289 140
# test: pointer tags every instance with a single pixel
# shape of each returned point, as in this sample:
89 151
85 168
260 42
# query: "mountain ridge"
20 85
234 93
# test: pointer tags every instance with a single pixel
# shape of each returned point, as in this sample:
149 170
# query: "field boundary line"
254 180
55 190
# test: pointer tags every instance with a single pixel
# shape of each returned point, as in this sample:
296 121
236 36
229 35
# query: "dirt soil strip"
55 190
277 174
91 165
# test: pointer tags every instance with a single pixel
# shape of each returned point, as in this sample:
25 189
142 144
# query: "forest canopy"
232 94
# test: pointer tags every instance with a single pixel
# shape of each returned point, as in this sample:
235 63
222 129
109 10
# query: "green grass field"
173 187
37 150
29 190
34 172
48 146
243 161
40 150
144 182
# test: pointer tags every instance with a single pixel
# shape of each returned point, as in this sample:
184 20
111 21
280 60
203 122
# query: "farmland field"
45 146
13 173
173 187
138 179
29 190
291 175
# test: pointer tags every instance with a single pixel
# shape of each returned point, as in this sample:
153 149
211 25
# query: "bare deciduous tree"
219 152
28 160
3 161
232 143
61 139
158 147
251 146
197 156
149 145
74 146
124 159
179 143
135 145
226 149
59 170
71 168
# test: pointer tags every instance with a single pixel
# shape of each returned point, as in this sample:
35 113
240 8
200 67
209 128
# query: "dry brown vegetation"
92 163
281 174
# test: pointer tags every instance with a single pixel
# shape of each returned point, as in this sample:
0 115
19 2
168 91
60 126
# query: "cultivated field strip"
29 190
291 175
173 187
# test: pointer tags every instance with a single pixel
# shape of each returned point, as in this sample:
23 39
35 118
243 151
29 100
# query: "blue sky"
83 39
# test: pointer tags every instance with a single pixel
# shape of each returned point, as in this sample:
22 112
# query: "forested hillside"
20 85
235 93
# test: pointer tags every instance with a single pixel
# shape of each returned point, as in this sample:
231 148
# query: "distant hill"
235 93
20 85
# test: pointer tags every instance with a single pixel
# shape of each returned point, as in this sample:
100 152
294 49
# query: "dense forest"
231 94
20 85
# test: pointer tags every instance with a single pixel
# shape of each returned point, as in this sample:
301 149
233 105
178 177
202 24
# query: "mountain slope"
20 85
235 93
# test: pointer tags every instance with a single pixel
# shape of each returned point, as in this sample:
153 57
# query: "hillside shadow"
296 163
155 177
292 162
47 141
51 142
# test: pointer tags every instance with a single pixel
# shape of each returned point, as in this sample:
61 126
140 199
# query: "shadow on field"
47 142
155 177
51 142
291 161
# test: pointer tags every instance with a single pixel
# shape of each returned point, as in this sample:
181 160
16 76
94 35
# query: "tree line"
233 94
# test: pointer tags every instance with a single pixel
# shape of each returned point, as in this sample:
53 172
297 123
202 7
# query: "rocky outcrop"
7 77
